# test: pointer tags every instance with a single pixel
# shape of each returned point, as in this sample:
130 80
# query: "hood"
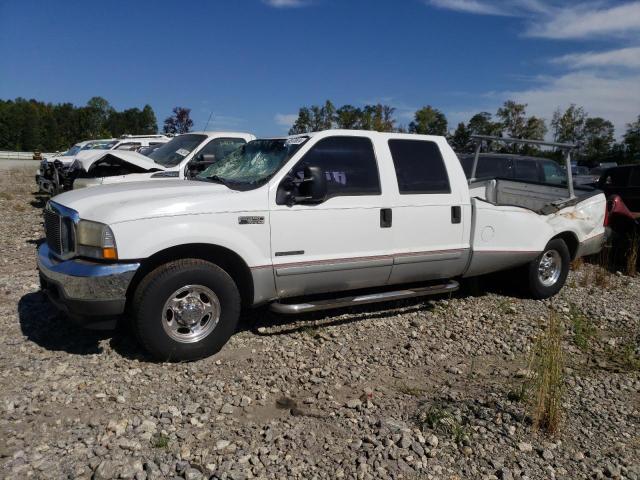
86 158
158 198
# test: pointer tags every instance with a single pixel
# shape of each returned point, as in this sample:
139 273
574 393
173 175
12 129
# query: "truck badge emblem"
251 220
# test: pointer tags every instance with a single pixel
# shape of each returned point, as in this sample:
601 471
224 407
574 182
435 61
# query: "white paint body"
86 161
341 239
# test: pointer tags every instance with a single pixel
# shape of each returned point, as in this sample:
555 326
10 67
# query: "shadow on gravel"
42 324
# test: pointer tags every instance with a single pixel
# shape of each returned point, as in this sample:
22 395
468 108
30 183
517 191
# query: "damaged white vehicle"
302 223
183 157
52 176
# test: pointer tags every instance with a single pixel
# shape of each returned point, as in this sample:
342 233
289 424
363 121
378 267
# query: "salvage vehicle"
302 223
52 174
621 186
517 167
183 157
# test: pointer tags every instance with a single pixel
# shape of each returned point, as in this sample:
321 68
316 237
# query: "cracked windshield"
253 163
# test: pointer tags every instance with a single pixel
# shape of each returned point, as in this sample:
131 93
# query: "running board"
326 304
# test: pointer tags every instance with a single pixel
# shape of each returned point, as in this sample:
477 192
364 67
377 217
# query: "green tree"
631 141
568 126
179 121
513 118
461 139
599 137
348 117
482 124
429 121
302 123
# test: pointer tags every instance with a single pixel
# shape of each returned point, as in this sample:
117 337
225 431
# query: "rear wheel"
548 272
185 310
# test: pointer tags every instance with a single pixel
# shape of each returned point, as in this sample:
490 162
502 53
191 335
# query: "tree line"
593 136
29 125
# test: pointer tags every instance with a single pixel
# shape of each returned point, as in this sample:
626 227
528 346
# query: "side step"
326 304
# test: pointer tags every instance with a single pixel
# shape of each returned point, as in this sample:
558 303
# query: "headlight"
96 240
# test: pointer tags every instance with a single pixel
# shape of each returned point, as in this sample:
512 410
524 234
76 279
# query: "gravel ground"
418 390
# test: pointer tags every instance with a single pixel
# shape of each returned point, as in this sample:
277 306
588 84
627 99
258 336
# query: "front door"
341 243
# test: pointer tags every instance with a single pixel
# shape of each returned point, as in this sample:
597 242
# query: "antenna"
207 124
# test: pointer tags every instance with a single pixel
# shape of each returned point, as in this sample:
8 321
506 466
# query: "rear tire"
547 273
185 310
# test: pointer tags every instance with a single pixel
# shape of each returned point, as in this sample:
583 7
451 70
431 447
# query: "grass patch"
547 384
413 391
160 441
577 264
583 329
439 419
625 357
505 307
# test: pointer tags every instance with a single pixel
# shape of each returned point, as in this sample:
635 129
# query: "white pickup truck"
302 223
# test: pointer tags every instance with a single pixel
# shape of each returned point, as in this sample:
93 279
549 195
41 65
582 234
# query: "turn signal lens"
109 253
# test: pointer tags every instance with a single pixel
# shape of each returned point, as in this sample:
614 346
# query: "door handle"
386 216
456 214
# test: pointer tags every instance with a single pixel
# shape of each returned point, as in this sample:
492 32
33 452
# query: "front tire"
185 310
547 273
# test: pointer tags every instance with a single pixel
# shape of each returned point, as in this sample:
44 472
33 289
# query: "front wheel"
185 310
548 272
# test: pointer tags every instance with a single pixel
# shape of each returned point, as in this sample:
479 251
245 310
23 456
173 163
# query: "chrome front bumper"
83 288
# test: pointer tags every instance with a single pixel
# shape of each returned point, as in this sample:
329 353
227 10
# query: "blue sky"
253 63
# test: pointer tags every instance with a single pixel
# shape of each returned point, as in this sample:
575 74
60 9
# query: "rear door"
429 215
341 243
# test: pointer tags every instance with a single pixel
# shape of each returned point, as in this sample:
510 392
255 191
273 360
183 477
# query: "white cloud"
285 119
587 21
622 57
612 97
286 3
469 6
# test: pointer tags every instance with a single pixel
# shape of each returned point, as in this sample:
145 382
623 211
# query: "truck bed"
512 220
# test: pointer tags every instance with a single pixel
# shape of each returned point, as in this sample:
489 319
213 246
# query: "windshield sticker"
183 152
295 141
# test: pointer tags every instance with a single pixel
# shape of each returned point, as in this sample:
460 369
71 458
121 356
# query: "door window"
419 167
553 173
526 170
349 164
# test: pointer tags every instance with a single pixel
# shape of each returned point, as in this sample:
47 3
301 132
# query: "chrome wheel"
550 268
191 313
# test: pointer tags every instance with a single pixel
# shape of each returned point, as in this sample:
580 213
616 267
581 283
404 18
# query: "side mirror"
311 189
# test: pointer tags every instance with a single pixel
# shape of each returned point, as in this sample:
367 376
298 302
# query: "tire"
546 284
175 308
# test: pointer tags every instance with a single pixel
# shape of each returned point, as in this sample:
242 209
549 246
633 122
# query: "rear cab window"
419 167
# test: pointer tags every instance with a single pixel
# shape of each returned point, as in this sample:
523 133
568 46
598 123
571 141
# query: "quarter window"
526 170
349 165
419 167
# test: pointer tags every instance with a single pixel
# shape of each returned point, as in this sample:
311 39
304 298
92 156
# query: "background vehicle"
307 222
621 185
183 157
52 174
516 167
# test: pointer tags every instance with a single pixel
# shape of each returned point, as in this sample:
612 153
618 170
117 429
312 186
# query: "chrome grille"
53 230
59 229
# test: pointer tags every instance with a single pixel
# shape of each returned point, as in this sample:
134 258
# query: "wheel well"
226 259
572 242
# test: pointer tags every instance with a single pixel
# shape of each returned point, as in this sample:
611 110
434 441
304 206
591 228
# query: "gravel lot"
417 390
